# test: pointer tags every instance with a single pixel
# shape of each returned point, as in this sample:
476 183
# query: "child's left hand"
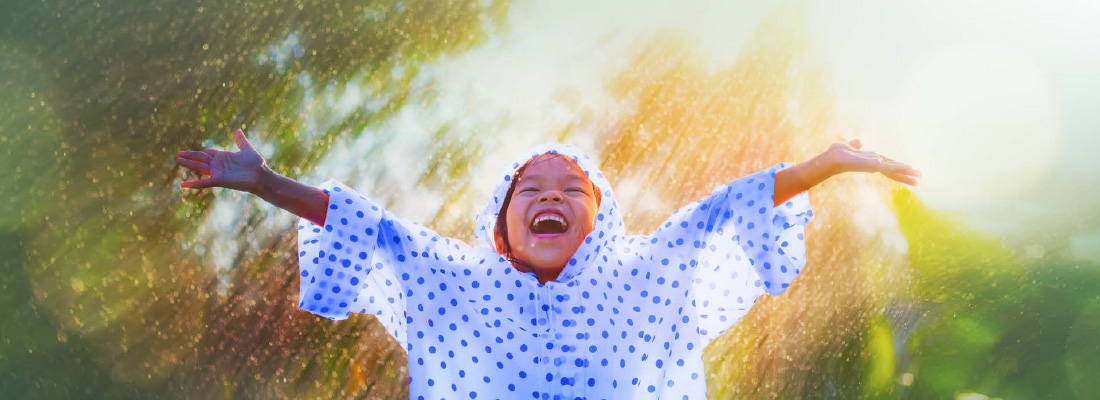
847 157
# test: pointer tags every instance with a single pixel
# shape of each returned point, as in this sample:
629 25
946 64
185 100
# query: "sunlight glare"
980 122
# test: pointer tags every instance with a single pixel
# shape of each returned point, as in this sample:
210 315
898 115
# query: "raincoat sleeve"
735 246
362 257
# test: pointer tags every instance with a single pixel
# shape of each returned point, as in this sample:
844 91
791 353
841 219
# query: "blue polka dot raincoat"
627 318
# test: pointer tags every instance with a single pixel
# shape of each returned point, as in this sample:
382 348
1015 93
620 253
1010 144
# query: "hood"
607 229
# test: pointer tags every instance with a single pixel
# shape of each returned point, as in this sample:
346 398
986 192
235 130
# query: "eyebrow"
571 175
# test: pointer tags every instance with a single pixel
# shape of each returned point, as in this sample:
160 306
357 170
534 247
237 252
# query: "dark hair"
502 224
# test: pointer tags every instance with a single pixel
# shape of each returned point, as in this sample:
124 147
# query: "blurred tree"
692 127
96 99
993 324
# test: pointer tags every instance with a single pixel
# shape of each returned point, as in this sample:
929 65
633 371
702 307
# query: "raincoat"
627 318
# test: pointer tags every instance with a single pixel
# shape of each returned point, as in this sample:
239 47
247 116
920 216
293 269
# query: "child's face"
552 210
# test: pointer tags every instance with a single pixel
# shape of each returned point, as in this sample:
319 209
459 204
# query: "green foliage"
993 325
111 296
879 364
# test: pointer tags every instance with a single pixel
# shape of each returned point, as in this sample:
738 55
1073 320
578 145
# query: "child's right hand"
240 170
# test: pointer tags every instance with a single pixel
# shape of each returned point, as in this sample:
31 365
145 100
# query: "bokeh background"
984 281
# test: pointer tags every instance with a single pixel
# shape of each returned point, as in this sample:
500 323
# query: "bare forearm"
300 199
800 178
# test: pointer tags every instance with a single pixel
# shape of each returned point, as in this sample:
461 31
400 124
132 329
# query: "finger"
242 142
909 170
882 163
855 143
195 155
891 159
908 180
198 184
895 167
202 167
865 163
211 152
867 154
867 158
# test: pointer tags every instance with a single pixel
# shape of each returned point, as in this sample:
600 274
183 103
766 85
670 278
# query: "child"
556 300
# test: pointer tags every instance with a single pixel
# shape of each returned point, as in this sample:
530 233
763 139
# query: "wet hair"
502 223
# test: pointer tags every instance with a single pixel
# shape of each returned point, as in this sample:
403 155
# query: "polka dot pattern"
627 318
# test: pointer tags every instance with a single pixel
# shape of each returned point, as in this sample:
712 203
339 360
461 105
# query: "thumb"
242 142
855 143
199 184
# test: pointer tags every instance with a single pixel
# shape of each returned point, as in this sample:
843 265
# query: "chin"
547 261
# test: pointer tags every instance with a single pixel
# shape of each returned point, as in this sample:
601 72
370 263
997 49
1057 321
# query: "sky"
994 101
994 104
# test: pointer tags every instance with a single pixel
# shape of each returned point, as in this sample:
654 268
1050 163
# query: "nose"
550 195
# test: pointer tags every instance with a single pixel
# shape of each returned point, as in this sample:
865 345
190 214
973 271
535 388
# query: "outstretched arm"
246 170
839 158
303 200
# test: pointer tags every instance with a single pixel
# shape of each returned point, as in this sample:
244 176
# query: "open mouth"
549 223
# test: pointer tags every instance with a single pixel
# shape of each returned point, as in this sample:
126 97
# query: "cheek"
589 225
514 221
588 213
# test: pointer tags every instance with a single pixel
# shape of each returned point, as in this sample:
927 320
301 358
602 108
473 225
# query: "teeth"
550 217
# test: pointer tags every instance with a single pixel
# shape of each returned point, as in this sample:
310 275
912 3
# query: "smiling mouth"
549 223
